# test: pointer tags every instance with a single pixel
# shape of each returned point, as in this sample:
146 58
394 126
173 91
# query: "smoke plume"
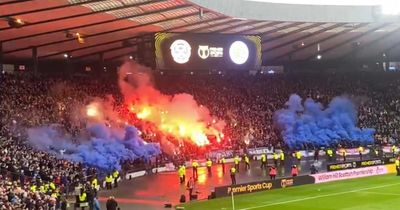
311 123
177 115
105 148
104 144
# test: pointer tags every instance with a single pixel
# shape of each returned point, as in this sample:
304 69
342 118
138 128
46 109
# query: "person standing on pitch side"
316 155
282 158
223 161
275 157
237 161
394 150
195 165
263 161
181 173
329 153
272 172
246 162
209 165
190 187
109 180
111 203
344 154
295 171
298 156
360 152
233 175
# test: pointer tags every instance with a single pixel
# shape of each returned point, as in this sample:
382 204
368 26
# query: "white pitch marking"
381 193
319 196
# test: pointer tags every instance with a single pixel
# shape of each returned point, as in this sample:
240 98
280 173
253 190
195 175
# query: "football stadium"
199 104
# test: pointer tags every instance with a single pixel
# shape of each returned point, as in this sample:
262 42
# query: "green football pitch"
371 193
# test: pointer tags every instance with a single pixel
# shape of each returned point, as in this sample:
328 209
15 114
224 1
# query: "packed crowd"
32 179
246 103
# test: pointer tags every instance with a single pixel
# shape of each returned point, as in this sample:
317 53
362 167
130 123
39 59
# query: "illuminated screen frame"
207 51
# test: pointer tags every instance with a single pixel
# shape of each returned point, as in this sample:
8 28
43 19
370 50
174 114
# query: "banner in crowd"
269 150
350 174
220 153
263 185
354 164
352 151
261 150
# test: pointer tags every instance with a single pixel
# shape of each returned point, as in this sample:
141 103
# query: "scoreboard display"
179 51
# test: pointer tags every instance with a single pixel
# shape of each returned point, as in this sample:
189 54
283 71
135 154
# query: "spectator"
111 203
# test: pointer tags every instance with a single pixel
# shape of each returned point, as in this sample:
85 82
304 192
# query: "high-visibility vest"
181 171
54 195
223 160
52 186
263 158
94 183
233 171
209 163
275 156
109 179
116 174
237 160
195 164
329 152
397 162
282 156
42 189
33 188
246 159
394 148
82 197
298 155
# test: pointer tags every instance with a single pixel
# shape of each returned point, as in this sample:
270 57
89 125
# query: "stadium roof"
108 25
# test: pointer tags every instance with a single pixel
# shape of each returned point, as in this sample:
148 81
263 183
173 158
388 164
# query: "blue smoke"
310 123
104 148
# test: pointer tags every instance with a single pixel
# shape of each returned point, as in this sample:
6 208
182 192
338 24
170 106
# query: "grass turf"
371 193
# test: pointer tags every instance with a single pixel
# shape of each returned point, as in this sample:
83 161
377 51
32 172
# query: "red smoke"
177 115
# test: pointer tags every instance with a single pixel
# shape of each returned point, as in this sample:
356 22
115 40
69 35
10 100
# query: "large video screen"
178 51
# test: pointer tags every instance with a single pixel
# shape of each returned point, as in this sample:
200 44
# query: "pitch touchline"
319 196
381 193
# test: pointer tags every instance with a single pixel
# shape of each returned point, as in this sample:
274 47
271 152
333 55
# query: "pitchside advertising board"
263 186
352 173
179 51
355 164
303 180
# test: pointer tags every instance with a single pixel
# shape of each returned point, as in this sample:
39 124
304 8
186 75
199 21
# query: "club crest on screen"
203 51
180 51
